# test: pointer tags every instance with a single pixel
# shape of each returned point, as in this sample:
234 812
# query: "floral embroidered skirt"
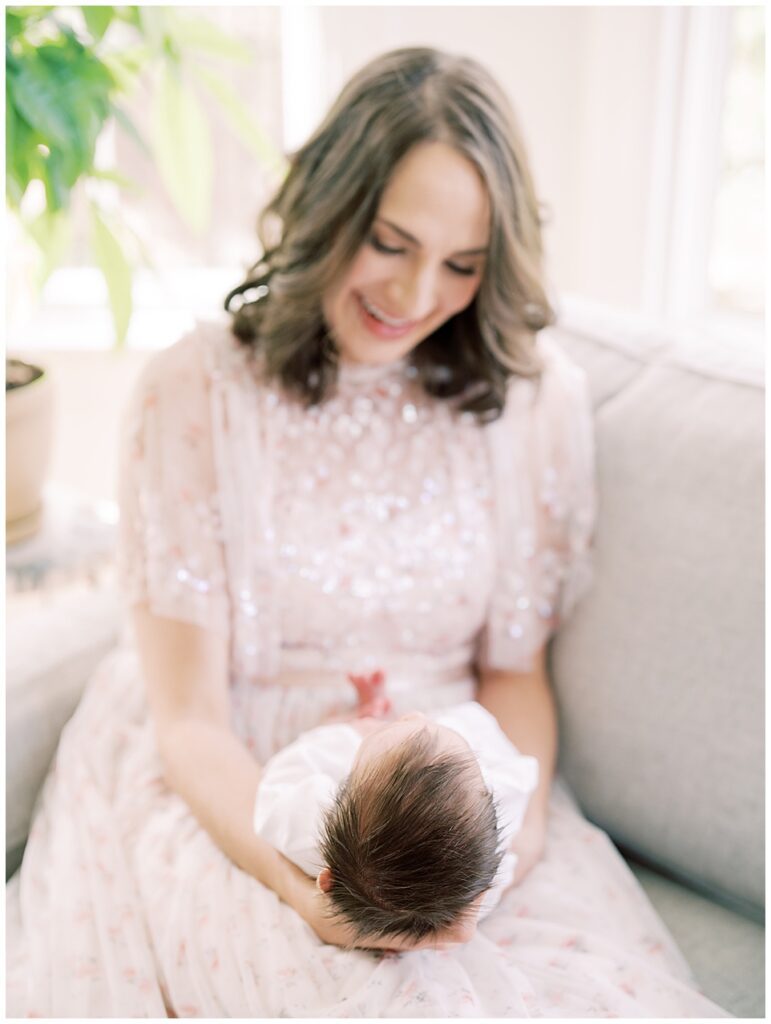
125 907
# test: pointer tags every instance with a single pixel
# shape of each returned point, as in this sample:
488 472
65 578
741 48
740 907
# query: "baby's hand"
373 702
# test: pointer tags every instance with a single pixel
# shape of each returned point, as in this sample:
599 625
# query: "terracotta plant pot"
28 442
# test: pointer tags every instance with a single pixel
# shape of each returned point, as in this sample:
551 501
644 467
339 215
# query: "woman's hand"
528 844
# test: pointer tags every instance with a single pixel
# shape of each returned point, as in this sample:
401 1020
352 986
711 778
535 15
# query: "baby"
405 824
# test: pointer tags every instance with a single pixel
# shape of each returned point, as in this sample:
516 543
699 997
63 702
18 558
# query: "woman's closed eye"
388 250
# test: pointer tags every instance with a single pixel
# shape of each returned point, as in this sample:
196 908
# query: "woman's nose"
415 293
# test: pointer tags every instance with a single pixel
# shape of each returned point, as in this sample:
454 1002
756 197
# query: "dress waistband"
394 679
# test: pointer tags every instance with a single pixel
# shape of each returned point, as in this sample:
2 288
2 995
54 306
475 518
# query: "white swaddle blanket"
299 783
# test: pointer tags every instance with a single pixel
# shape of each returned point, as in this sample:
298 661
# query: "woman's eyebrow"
411 238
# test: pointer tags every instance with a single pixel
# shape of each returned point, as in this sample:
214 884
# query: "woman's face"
421 263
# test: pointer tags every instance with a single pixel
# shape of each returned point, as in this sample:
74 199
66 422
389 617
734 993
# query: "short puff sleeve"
170 549
543 462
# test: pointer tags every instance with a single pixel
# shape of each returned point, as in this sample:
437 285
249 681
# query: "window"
736 267
706 264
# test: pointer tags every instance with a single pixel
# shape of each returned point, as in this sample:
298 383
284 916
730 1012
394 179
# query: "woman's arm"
523 704
185 669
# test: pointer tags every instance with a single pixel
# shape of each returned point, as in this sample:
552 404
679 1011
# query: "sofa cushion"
725 950
659 673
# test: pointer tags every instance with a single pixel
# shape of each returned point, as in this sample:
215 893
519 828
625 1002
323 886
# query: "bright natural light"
736 271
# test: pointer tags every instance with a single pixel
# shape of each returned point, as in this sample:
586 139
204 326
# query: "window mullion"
697 161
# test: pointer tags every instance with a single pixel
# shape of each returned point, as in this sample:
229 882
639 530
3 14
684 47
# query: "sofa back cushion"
659 673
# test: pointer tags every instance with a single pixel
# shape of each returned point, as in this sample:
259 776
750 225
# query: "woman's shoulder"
561 383
206 351
559 365
206 343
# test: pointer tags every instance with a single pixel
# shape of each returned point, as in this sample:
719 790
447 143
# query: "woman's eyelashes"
387 250
382 247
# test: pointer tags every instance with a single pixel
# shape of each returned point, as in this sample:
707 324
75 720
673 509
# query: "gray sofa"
659 673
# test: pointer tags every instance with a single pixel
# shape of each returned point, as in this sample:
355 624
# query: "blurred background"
645 127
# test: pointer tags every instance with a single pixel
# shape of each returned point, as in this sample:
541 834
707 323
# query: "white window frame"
694 51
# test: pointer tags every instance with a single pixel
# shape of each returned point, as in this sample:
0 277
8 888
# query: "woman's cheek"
465 294
367 266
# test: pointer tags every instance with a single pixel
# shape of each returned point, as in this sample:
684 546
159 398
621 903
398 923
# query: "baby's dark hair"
410 842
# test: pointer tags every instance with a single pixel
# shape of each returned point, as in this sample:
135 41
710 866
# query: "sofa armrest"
54 643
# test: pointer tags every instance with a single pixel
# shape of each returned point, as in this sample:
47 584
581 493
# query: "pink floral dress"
379 532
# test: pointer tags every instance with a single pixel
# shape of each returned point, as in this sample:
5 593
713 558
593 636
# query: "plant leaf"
98 20
153 24
198 33
126 66
55 181
143 253
131 130
37 97
129 15
52 232
62 91
117 273
18 19
182 146
117 179
241 121
17 145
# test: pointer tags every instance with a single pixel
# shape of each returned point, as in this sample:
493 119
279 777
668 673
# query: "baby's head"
412 839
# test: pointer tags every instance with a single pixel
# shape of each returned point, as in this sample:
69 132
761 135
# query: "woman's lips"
378 328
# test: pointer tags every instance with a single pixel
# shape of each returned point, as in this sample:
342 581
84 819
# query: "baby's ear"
324 880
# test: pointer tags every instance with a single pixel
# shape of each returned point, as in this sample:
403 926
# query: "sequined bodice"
382 514
379 527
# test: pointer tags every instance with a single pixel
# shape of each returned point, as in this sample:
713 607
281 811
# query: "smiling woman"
393 226
273 552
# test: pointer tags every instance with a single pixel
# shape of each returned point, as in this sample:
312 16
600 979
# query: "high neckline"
350 372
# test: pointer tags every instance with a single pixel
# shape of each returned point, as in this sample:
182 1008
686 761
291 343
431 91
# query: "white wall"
604 246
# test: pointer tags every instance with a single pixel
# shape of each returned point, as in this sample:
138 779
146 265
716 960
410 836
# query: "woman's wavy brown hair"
323 211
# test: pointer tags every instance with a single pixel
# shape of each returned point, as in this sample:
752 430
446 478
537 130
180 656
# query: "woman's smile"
381 324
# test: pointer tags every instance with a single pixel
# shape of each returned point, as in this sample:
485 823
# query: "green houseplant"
69 71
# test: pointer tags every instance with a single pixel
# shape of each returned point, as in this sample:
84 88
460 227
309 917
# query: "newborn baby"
405 824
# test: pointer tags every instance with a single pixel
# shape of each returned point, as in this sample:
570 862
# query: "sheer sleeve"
170 551
542 452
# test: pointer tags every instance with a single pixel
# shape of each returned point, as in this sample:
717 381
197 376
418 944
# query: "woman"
380 470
